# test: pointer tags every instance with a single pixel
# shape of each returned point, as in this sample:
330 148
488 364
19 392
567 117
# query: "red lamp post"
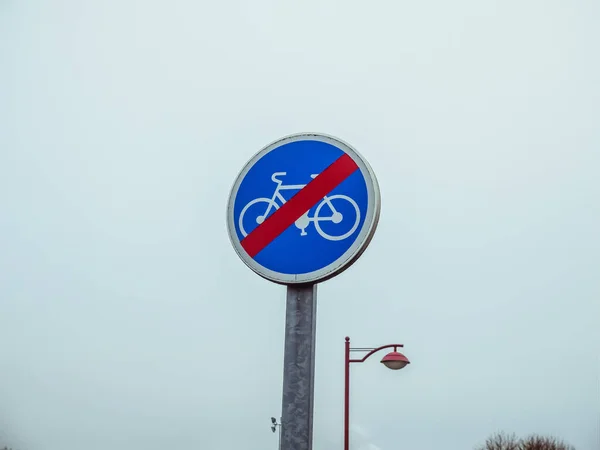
393 360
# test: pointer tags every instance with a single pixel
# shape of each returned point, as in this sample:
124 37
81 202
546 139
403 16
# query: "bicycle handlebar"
277 174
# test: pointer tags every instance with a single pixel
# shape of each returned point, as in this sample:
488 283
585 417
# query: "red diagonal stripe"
304 199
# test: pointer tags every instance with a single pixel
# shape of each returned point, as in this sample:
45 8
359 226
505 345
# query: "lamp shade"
395 360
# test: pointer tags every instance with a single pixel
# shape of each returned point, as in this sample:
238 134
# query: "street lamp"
393 360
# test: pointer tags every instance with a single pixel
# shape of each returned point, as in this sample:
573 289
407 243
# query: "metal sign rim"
350 256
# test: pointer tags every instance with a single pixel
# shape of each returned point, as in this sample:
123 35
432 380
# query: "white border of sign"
350 255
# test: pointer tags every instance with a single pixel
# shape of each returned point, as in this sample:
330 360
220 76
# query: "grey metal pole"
280 431
299 367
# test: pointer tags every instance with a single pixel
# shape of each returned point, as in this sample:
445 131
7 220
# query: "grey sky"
127 320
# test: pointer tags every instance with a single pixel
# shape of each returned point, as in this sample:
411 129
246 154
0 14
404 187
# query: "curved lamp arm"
375 350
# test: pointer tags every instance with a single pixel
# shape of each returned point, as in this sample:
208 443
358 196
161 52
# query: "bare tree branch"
501 441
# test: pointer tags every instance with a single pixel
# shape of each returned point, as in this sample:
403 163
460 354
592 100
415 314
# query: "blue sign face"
303 209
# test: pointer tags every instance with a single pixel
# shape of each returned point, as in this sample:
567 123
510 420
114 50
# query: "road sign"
303 209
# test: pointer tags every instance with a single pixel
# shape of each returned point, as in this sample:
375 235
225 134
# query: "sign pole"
299 367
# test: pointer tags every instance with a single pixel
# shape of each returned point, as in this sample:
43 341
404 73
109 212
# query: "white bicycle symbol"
304 221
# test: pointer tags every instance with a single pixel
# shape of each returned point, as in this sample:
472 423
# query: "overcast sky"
127 321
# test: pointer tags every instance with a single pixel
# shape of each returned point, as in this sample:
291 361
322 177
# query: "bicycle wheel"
260 213
348 210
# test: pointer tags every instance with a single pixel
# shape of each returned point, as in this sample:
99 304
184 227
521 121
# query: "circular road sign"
303 209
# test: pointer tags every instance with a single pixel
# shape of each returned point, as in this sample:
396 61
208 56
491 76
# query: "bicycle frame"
290 187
